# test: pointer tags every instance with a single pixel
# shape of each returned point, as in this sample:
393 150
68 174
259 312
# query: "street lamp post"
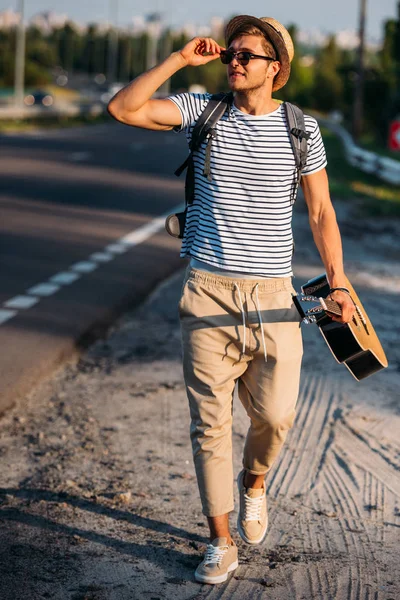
359 83
112 59
19 78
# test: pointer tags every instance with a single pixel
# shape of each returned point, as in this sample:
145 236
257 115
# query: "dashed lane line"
6 314
84 267
64 278
45 289
102 256
117 248
21 302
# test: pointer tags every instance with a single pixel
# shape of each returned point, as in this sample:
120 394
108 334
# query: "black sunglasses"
243 58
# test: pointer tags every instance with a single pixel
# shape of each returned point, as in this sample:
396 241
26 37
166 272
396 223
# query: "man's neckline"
263 116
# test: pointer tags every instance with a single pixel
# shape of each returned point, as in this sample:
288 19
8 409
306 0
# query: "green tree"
125 58
299 88
7 57
70 48
40 49
328 84
388 54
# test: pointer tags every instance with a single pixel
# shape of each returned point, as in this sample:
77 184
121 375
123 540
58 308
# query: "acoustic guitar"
354 344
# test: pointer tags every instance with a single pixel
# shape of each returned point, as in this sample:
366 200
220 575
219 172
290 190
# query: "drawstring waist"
242 286
260 321
272 284
261 324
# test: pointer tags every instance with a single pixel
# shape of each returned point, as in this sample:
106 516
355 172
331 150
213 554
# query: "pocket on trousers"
183 294
294 308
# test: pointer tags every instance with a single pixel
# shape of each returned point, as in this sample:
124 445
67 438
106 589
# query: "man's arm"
133 105
327 238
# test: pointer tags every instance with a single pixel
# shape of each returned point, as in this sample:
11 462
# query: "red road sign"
394 135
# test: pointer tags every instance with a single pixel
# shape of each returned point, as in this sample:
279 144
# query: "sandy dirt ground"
98 498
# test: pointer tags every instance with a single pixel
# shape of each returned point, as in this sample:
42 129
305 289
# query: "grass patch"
51 122
374 197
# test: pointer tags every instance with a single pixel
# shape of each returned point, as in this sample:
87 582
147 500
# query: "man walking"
238 320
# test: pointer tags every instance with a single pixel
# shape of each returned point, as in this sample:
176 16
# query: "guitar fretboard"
333 307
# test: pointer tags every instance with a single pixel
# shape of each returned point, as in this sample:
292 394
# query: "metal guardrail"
387 169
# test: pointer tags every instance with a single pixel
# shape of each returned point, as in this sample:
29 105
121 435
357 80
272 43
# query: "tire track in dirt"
326 544
349 588
319 406
367 456
374 499
303 466
229 590
287 457
314 590
359 542
297 472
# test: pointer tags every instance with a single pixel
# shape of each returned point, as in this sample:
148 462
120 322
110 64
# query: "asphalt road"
67 197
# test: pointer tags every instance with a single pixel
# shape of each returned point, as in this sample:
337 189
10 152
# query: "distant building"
48 21
8 19
138 24
312 38
347 39
217 25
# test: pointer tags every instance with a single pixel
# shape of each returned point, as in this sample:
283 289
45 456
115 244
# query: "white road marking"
21 302
141 234
44 289
117 248
6 314
64 278
101 256
79 156
84 267
67 277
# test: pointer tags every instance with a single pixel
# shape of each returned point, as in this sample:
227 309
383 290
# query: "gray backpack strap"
204 128
298 140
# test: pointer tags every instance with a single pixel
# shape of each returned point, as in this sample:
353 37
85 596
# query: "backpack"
205 128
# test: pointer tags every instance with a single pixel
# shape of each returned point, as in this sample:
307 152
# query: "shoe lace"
252 508
215 554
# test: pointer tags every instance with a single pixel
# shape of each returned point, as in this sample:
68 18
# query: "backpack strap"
298 140
204 127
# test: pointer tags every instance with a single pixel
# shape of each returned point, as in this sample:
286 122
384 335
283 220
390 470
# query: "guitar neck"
332 306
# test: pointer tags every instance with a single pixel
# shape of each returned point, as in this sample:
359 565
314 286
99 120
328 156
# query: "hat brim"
272 34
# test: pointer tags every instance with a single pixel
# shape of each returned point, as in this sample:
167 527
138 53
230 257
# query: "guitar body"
353 344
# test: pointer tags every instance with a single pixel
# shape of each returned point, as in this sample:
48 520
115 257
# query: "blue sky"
326 15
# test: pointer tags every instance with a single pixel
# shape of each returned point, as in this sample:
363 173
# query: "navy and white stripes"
241 220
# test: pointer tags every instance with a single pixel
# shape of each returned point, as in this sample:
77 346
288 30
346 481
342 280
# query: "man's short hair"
253 30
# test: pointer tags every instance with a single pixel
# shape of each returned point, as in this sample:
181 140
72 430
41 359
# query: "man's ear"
274 68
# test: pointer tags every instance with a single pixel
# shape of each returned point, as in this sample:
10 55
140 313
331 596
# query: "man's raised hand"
200 51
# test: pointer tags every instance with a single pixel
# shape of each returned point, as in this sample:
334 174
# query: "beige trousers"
245 331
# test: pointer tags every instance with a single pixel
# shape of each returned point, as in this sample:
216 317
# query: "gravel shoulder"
98 498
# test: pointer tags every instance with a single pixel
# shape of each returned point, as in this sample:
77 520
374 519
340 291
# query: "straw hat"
276 33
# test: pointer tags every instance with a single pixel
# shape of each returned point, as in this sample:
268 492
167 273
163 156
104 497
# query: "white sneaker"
252 520
219 560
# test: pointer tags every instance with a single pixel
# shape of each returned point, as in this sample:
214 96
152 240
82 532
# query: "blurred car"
110 91
39 98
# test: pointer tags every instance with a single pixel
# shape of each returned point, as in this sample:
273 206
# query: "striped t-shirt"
241 220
